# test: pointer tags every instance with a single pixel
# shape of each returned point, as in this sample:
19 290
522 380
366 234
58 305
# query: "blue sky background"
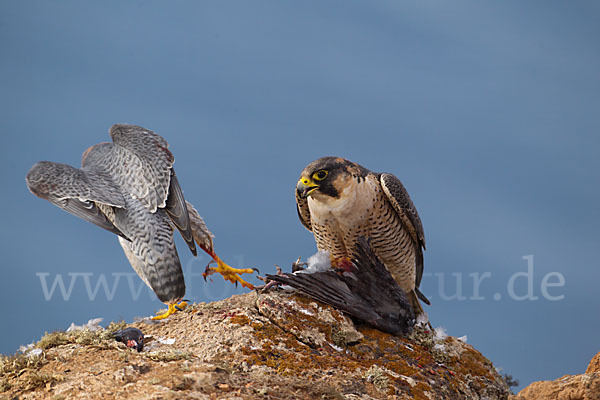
489 112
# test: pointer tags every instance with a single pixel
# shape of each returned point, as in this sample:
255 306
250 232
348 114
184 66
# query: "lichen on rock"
277 345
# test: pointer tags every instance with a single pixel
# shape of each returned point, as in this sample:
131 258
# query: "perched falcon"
129 188
340 201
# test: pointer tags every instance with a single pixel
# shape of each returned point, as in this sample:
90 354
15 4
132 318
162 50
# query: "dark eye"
320 175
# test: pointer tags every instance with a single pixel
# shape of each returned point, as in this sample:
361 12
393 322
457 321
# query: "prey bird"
129 188
366 291
340 201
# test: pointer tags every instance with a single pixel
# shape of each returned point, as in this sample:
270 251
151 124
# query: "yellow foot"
173 308
230 274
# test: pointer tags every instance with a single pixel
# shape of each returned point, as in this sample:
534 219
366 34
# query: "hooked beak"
305 187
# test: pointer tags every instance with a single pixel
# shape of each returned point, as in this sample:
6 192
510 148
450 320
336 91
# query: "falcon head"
328 176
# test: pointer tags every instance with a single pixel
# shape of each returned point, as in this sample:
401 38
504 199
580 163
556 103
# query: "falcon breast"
340 201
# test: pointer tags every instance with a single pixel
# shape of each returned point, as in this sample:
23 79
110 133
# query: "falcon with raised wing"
129 188
340 201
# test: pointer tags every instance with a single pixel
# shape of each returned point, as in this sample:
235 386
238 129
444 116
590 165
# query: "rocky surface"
594 365
569 387
273 345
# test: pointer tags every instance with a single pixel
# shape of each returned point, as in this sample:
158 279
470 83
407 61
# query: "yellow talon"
230 274
173 308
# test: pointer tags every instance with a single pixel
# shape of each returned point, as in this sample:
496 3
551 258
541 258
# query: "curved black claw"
182 304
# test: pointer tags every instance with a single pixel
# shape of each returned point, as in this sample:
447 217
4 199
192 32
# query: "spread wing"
76 191
142 164
303 211
404 207
177 210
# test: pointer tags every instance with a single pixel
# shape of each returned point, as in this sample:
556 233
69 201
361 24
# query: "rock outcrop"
569 387
594 365
274 345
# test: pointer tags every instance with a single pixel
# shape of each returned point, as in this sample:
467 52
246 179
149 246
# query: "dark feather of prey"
368 292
